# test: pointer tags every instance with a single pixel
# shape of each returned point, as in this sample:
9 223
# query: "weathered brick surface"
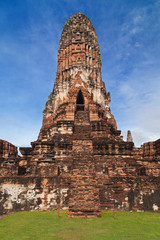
8 158
80 158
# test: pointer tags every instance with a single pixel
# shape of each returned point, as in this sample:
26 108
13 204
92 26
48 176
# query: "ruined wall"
36 193
120 180
8 158
7 150
129 184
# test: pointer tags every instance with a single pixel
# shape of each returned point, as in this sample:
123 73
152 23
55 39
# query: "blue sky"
129 38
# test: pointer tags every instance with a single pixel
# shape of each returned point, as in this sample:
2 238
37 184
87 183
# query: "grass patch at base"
46 226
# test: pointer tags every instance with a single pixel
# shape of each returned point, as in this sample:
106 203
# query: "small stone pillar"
129 136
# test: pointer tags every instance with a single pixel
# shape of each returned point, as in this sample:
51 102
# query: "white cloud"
131 70
140 106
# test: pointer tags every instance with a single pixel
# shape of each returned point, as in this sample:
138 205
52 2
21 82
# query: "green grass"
46 226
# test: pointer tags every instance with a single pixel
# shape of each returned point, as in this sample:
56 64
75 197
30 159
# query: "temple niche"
80 158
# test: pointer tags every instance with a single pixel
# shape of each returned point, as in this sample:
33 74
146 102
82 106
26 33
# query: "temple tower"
76 120
74 111
80 158
78 70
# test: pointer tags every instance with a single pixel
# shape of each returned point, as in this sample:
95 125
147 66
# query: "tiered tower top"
78 48
78 29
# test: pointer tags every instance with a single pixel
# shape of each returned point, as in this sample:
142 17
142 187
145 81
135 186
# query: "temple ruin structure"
80 158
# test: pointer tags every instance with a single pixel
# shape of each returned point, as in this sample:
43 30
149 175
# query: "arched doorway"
80 101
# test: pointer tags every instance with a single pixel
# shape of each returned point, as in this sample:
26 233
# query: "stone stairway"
81 126
84 193
82 118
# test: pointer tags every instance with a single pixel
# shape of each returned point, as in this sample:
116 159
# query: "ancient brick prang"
79 68
80 158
